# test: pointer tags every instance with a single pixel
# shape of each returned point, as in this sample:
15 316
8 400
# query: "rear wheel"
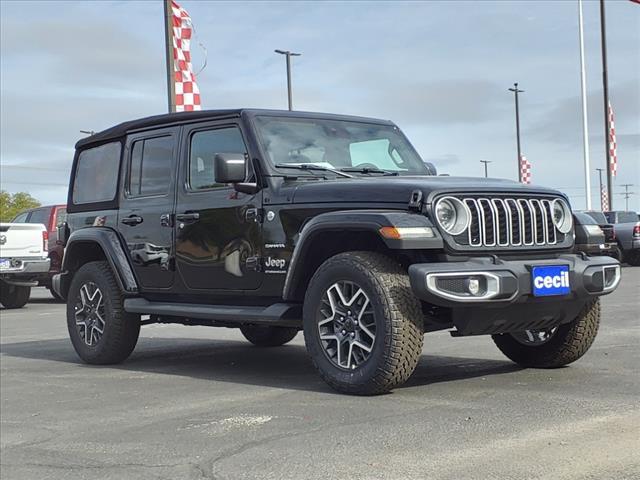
14 296
100 330
363 326
267 336
553 347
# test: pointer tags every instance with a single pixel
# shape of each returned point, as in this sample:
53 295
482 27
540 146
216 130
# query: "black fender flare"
358 220
110 244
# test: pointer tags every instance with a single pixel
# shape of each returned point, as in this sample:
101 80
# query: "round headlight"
452 215
562 218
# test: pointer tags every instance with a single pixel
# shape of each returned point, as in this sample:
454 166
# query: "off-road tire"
568 343
14 296
121 329
398 316
267 336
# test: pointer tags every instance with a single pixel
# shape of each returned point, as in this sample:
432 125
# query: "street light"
516 91
288 54
88 132
486 173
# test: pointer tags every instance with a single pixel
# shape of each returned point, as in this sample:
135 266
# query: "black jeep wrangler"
275 222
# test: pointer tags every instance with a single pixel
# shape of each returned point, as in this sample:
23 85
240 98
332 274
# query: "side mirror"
230 167
431 168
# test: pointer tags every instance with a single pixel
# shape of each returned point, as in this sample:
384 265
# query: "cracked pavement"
202 403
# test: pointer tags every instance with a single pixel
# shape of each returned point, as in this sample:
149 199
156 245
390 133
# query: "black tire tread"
268 336
123 328
17 299
401 308
570 342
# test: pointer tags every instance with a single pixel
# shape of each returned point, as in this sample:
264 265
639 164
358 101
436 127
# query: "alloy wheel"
346 324
89 314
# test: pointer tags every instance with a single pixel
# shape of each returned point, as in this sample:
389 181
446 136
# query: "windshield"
340 145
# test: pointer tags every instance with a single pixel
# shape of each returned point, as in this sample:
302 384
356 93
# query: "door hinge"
254 263
254 215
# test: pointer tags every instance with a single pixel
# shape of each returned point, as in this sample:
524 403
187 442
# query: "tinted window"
150 168
22 218
584 219
627 217
598 217
40 215
204 147
97 174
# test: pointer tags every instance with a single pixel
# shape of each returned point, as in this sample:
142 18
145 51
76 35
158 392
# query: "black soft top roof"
123 128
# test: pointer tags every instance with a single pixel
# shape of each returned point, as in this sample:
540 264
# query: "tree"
12 205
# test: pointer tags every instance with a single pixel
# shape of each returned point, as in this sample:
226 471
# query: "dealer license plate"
4 263
550 280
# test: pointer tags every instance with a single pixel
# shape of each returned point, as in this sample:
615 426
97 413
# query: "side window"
204 147
40 215
22 218
96 177
150 166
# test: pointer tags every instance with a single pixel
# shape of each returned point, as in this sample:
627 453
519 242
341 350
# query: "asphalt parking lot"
197 402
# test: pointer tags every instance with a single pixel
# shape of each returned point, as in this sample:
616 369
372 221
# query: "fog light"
611 277
473 285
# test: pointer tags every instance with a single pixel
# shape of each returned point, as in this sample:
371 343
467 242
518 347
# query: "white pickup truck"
23 258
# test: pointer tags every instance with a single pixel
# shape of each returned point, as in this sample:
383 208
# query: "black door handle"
188 217
132 220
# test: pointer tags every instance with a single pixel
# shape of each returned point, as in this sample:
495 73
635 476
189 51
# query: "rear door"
217 227
147 203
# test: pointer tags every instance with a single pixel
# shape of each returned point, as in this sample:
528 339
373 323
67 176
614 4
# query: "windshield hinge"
415 202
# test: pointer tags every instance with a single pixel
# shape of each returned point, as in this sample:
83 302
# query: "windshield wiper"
312 166
369 170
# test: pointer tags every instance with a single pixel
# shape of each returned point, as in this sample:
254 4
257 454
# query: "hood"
399 189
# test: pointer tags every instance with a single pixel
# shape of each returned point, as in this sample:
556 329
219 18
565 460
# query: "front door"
218 232
146 206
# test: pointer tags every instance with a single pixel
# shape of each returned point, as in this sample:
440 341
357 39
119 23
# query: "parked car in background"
608 230
50 216
627 229
591 238
23 260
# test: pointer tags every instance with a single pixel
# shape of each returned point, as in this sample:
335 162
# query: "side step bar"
278 314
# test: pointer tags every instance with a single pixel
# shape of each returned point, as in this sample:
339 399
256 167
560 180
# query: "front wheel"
100 330
553 347
14 296
363 327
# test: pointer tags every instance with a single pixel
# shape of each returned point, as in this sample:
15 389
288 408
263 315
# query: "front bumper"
510 281
505 303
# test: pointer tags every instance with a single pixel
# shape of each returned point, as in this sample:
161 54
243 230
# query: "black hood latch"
415 202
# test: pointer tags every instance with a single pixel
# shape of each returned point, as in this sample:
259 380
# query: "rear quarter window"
96 178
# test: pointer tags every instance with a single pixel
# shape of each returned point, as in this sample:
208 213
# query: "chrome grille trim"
510 222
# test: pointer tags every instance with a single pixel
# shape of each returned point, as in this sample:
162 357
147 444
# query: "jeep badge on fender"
278 221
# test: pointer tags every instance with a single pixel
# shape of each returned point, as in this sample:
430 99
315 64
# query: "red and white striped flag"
525 170
187 93
604 199
613 154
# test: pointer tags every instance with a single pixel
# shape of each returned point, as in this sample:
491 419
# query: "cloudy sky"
440 70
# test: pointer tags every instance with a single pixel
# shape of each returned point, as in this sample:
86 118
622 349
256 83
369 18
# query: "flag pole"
585 127
605 84
168 38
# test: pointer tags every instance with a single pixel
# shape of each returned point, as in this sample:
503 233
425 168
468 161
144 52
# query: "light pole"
600 170
516 91
486 173
88 132
288 54
627 194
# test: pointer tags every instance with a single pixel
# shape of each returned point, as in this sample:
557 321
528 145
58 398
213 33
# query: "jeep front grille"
510 222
